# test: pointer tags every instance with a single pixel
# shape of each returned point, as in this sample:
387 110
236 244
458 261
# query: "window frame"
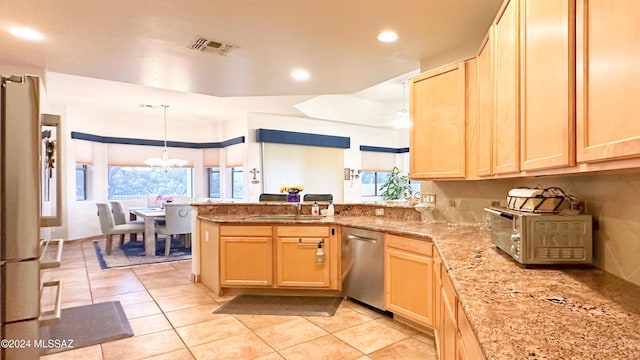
83 168
234 171
210 171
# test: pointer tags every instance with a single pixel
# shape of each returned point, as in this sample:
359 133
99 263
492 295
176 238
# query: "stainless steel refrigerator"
20 136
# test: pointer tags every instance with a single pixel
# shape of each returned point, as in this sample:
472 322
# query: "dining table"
149 215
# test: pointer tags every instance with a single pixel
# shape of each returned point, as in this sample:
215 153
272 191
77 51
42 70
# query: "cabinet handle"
53 316
44 245
311 244
361 238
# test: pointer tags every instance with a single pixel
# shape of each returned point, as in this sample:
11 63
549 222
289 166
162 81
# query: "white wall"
80 219
318 169
359 134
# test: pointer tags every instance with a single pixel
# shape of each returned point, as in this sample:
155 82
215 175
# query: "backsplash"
612 199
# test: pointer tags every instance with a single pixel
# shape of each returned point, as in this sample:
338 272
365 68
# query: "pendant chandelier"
165 162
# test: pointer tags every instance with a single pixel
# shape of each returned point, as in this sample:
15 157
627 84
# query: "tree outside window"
139 182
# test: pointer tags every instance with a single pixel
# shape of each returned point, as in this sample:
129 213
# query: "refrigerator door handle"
44 245
52 316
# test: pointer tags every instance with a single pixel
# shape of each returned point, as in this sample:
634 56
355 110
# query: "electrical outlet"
429 198
379 212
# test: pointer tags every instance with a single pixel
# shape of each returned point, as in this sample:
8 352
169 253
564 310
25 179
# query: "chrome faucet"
298 207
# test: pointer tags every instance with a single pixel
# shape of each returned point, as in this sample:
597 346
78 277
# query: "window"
237 183
372 181
126 182
214 182
81 182
415 185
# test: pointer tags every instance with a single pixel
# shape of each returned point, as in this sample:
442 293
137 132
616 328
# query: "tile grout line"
173 328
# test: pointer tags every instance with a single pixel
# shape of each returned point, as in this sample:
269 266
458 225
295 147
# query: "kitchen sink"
285 217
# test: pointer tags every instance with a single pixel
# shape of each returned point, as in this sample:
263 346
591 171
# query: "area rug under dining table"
132 253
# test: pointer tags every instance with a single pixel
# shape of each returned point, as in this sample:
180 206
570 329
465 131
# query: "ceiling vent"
210 46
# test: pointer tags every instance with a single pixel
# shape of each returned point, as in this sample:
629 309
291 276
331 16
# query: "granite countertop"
517 312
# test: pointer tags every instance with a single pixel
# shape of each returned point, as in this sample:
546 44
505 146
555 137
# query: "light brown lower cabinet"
454 336
408 279
209 256
449 328
467 345
296 261
246 255
269 256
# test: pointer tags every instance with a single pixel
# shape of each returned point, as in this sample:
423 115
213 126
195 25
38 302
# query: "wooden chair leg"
108 245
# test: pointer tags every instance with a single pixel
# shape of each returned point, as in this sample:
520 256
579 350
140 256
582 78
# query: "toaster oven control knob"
515 244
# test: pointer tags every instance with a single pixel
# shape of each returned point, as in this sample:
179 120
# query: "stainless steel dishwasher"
363 266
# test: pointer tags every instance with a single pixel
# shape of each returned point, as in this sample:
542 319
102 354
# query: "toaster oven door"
505 232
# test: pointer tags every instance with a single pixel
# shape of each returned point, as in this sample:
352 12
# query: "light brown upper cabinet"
484 124
607 80
506 124
547 91
438 123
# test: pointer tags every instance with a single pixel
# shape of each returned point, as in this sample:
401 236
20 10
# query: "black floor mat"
85 326
281 305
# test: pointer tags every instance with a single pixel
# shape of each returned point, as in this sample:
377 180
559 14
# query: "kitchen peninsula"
513 312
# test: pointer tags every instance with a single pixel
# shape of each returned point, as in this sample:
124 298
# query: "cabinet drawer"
302 231
241 230
417 246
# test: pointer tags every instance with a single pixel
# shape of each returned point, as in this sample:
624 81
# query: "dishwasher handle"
361 238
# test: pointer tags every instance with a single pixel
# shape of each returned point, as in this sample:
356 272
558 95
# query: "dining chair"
317 197
109 228
272 197
177 222
119 217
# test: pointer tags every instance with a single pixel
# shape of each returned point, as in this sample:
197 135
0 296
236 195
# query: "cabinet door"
506 128
408 285
467 345
607 80
438 124
449 326
461 351
484 126
246 261
438 306
209 259
296 262
548 75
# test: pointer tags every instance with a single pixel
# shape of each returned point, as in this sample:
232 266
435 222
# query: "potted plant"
397 186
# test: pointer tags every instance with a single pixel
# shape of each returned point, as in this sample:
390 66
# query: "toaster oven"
542 238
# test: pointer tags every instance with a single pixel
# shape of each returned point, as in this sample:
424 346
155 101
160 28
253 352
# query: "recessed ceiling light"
26 33
387 36
300 74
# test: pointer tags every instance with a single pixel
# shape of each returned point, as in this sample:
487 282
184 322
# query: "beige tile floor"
172 319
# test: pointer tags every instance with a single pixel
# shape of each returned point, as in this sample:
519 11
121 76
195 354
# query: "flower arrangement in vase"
163 199
293 192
